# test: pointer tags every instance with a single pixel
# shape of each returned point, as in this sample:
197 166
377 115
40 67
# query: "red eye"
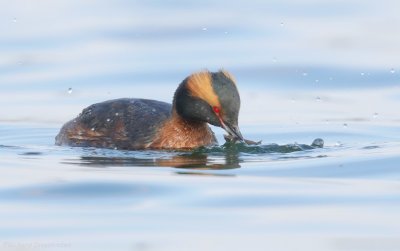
216 110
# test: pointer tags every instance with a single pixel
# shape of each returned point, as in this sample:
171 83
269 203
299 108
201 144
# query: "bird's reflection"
183 160
222 157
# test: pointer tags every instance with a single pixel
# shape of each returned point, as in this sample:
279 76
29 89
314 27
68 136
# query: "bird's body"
149 124
134 124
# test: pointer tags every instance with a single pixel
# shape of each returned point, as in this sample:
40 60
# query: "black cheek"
214 120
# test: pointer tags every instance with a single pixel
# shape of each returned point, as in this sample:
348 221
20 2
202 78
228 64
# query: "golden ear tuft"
200 86
228 75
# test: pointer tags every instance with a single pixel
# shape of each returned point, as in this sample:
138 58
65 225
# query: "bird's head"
210 97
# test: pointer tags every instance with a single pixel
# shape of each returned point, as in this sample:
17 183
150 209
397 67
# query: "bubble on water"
108 120
318 99
204 29
305 74
345 125
375 115
392 71
69 90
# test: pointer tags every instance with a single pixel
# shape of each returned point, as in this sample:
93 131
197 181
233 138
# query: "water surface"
340 197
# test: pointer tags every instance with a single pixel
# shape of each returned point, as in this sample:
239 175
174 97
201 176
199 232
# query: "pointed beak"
233 131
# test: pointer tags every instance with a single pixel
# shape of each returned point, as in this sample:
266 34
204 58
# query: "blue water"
340 197
304 69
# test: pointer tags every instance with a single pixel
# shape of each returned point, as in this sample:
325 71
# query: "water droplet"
293 100
317 81
153 110
318 143
108 120
375 115
362 73
345 125
338 143
274 59
69 90
14 20
92 128
318 99
204 29
116 114
330 78
392 71
305 74
226 32
282 24
115 148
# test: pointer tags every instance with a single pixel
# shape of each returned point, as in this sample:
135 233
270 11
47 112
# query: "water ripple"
84 191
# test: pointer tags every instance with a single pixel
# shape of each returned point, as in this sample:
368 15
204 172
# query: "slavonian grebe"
203 97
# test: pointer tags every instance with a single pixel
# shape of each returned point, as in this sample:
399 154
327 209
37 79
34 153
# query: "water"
340 197
298 67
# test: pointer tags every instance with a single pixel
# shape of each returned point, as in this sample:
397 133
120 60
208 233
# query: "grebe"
132 124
